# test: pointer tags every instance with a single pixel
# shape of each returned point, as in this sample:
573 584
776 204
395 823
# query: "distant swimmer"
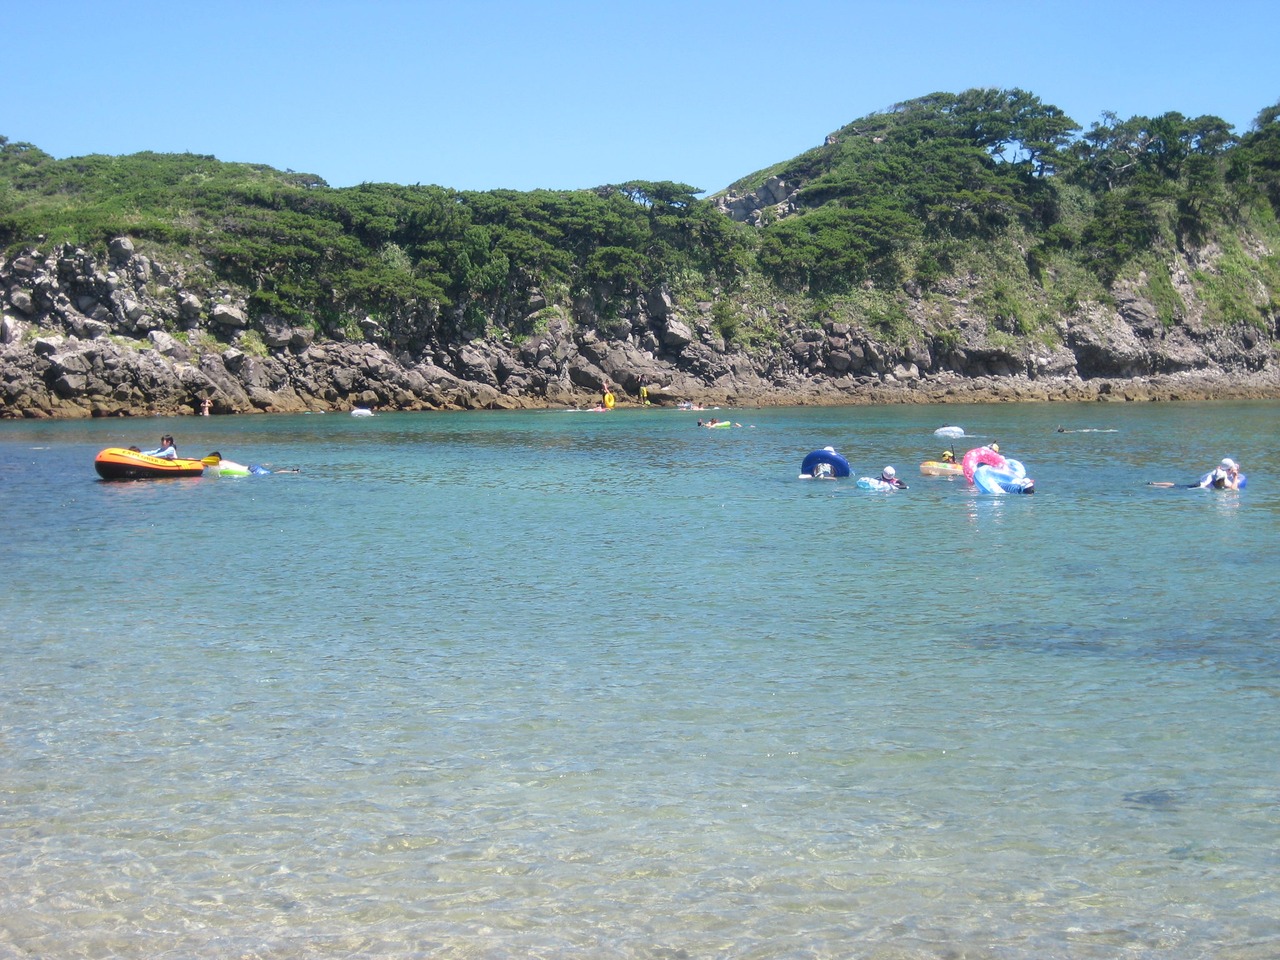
1225 476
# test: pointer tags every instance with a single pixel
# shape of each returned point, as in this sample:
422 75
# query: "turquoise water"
570 685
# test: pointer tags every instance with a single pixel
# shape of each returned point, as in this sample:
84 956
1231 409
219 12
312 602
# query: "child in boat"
166 449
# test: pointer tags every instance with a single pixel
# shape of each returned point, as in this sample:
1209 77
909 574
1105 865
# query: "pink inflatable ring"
981 455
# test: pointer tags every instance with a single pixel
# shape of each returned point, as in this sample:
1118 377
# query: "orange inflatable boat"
117 463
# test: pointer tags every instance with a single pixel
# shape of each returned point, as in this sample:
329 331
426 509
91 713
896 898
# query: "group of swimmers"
1225 476
823 470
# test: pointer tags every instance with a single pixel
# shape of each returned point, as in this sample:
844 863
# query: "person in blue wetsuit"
166 449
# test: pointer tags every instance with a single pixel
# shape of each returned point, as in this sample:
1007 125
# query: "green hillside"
993 189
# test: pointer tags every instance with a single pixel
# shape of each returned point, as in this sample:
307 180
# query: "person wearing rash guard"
166 449
890 476
1225 476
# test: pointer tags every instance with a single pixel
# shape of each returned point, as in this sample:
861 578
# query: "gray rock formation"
774 194
126 335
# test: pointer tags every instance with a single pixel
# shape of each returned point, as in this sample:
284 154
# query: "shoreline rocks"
130 336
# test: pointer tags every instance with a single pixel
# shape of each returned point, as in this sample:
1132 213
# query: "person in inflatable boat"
948 456
890 476
166 449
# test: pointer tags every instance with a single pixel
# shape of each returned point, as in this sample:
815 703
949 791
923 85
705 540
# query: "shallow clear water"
572 685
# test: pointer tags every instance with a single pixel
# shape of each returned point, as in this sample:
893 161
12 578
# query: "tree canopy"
888 199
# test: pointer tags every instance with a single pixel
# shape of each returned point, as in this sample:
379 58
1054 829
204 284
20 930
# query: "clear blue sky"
562 94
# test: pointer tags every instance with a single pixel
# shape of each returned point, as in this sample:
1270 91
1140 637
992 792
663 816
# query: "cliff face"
128 335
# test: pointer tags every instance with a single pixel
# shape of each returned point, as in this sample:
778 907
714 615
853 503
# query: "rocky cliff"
126 335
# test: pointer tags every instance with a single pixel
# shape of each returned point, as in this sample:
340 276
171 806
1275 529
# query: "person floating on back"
1225 476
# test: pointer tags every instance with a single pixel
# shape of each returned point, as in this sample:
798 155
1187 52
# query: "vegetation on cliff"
991 188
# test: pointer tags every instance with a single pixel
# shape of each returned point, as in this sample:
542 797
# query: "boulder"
474 365
276 333
1105 346
584 374
659 303
22 300
168 345
226 315
132 309
233 359
189 307
676 334
70 385
120 249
